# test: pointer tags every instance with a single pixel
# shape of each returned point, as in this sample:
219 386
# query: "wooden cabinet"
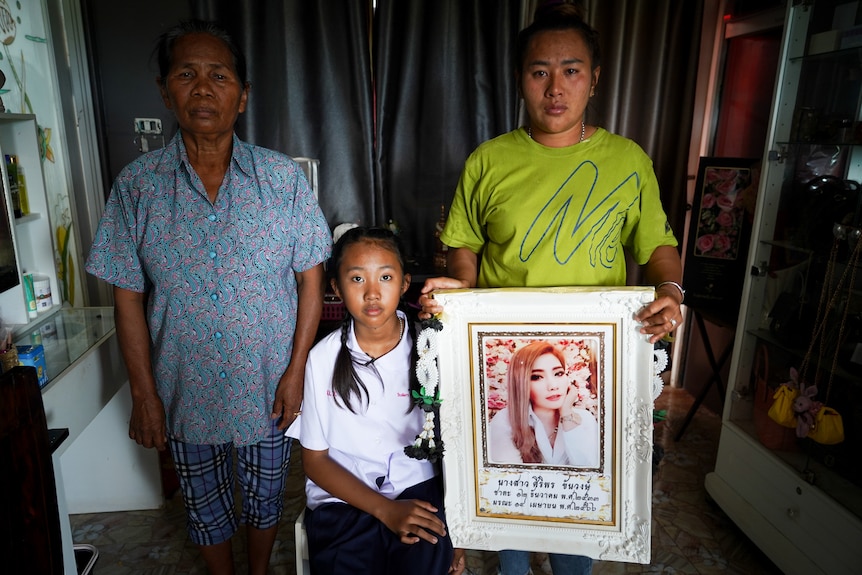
798 499
97 468
30 538
32 234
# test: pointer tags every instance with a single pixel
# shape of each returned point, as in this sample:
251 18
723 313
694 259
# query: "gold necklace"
583 131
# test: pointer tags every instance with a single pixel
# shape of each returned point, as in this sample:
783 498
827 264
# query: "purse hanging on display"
781 410
769 432
828 427
823 423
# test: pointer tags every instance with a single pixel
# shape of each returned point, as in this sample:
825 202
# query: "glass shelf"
67 335
768 337
846 55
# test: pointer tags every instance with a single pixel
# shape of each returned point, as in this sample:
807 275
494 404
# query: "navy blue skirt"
345 540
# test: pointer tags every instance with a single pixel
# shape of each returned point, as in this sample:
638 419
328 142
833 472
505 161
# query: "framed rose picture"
719 233
546 417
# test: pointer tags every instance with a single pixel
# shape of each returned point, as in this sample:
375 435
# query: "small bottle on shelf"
23 200
42 291
12 173
30 296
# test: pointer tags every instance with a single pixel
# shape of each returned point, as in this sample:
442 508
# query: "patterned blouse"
222 295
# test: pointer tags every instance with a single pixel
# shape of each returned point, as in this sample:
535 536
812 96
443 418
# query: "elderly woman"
215 249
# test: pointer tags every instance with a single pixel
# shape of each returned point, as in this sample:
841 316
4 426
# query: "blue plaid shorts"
206 474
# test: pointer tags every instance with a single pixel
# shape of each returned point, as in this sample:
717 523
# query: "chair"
311 167
301 543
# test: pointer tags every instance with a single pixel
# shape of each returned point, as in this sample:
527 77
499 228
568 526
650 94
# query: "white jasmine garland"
659 365
427 398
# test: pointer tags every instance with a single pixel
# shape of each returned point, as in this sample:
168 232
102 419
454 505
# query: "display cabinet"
800 499
32 234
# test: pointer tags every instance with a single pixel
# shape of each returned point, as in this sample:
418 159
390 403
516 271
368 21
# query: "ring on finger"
672 322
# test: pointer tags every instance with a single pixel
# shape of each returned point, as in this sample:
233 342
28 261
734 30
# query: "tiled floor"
690 534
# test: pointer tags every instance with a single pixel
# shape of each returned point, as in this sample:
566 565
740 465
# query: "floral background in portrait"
581 358
722 212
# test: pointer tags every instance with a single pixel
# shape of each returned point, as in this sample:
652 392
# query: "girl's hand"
412 520
459 562
429 305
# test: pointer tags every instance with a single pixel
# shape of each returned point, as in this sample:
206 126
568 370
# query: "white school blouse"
369 443
578 447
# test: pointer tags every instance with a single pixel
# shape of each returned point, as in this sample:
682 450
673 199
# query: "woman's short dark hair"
164 49
555 15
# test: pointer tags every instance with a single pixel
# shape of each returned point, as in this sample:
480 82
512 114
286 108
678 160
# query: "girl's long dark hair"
345 381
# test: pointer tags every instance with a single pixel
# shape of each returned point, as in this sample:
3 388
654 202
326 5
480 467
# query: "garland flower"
428 396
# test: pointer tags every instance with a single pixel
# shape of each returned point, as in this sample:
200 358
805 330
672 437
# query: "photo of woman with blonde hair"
540 423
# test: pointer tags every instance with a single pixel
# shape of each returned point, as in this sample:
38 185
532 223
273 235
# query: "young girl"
370 507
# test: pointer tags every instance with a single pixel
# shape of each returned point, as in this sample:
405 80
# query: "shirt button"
222 375
212 217
214 297
212 255
218 335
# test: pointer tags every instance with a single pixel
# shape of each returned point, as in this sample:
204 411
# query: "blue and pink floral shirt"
222 301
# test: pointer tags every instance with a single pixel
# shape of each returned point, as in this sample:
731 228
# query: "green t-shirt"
540 216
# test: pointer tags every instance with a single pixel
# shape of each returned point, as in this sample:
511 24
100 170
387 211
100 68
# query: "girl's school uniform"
369 444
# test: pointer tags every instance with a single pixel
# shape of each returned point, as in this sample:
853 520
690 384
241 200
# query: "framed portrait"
547 420
719 233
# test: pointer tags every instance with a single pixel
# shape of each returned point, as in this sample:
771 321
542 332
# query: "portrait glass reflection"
541 400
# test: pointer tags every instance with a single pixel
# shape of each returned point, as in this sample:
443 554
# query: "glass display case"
796 488
65 336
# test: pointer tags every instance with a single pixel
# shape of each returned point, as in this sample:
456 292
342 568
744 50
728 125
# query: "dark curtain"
311 96
647 86
444 85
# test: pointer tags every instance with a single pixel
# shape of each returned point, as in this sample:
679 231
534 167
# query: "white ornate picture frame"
602 508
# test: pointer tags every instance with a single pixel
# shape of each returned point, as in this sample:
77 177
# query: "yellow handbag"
828 427
781 411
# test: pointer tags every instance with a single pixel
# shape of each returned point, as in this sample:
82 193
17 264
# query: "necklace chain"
401 324
583 131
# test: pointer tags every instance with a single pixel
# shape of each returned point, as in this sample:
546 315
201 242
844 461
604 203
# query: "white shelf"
32 234
28 218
